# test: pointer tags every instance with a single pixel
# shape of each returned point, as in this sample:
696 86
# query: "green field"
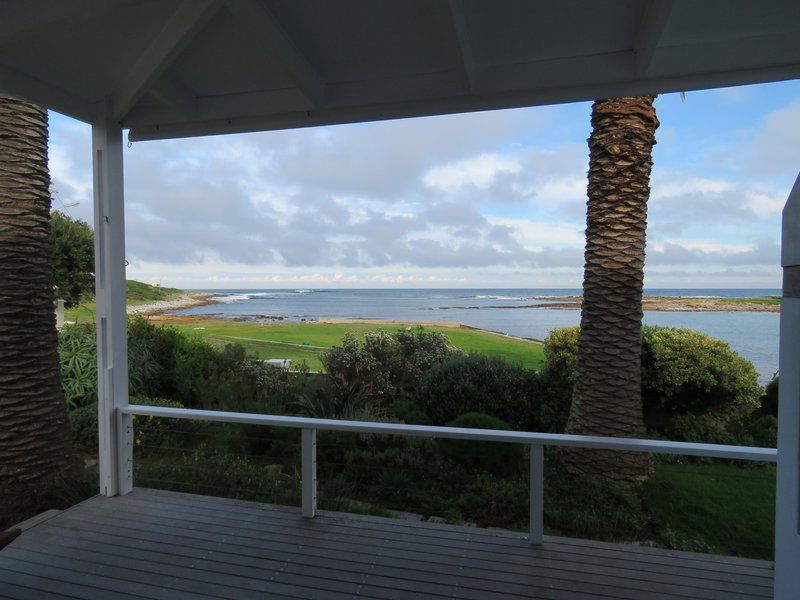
762 300
732 508
308 341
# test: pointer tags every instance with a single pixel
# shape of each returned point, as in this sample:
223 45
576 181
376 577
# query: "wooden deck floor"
156 544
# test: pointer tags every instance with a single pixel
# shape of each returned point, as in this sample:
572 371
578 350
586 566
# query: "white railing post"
308 471
537 494
787 501
115 450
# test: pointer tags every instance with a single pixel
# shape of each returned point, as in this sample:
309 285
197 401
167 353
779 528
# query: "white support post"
787 502
115 435
308 471
537 494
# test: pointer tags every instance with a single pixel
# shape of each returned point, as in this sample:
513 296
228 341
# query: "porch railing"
535 441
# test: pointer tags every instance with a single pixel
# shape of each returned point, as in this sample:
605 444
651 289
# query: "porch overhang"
177 68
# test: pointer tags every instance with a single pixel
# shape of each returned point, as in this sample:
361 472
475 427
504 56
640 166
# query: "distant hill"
138 292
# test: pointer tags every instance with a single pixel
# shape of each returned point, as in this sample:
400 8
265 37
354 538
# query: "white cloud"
533 234
478 171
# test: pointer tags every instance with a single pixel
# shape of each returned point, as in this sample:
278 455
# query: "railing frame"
535 441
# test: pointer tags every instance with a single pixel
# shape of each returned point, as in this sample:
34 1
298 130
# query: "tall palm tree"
607 396
37 465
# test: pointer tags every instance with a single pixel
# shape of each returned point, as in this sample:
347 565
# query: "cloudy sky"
492 199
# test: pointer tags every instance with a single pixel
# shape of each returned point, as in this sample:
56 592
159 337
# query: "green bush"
72 243
209 471
408 411
699 428
769 401
77 350
586 507
479 383
325 400
492 457
683 372
387 365
764 430
83 422
147 430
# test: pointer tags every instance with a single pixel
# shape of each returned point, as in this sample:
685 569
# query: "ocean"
753 334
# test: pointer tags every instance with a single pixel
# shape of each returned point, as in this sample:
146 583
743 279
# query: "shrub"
408 411
325 400
699 428
72 243
561 353
683 372
763 430
492 457
77 352
387 365
588 507
769 401
83 422
147 430
206 470
478 383
150 431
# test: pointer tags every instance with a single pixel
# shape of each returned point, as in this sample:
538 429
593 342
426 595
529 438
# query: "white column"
787 509
115 451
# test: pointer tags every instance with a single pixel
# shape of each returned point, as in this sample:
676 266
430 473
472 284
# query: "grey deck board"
552 568
156 544
254 531
425 531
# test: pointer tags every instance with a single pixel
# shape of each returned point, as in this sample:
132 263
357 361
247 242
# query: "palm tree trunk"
607 396
37 466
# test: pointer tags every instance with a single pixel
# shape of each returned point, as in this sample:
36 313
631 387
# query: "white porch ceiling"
177 68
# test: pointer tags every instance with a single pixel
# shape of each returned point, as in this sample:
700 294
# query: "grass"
308 341
136 292
731 508
765 301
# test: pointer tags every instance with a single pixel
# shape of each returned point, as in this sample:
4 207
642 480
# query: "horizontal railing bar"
485 435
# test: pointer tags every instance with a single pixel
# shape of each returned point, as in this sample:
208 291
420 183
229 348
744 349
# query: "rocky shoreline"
674 304
187 300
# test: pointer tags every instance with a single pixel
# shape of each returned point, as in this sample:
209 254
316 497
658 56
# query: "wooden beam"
345 106
31 89
190 17
274 42
175 94
459 24
29 16
652 25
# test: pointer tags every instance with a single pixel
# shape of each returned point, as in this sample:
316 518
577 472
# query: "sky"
492 199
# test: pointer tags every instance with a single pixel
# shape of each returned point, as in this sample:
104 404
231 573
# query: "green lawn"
762 300
732 508
308 341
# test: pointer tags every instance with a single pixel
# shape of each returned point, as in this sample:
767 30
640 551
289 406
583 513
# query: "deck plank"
157 544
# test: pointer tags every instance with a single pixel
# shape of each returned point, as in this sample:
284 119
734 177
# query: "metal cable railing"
536 443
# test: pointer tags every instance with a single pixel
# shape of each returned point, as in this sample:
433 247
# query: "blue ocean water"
752 334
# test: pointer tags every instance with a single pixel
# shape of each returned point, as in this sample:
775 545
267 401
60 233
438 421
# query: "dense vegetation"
417 376
72 243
